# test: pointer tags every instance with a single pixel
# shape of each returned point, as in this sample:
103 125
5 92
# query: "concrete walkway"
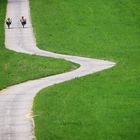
16 101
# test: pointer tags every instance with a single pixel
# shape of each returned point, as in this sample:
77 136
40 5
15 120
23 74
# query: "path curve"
16 101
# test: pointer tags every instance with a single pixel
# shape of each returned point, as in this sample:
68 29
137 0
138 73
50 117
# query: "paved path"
16 101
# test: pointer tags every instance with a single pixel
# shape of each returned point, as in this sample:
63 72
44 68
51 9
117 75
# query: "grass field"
16 68
102 106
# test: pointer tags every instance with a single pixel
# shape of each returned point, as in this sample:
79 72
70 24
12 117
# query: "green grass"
102 106
16 68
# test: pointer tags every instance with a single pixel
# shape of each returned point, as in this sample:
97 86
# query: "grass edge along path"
16 68
100 106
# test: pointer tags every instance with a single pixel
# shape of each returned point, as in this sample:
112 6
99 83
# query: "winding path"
16 101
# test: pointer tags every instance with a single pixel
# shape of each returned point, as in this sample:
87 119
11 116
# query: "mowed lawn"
16 68
101 106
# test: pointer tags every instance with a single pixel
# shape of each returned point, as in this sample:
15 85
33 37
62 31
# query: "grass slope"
16 68
103 106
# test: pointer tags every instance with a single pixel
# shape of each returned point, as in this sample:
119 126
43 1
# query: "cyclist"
23 21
